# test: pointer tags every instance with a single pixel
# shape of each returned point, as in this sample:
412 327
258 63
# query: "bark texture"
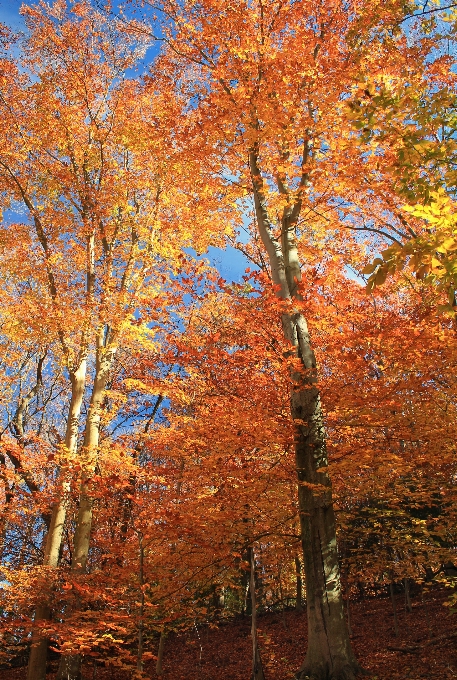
70 665
257 668
329 654
38 653
299 584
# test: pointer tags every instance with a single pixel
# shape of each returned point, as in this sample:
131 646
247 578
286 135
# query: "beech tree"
118 522
266 84
85 156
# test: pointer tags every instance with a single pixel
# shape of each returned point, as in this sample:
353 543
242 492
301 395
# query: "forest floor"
428 631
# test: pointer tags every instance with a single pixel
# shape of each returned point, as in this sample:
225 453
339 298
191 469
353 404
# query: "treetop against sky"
230 262
167 437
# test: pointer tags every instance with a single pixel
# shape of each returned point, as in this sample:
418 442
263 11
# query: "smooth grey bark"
89 454
38 653
70 665
329 654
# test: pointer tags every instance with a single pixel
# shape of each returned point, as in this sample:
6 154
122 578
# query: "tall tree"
265 84
88 159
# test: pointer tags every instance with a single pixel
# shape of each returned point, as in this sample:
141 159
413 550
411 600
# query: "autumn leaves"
155 417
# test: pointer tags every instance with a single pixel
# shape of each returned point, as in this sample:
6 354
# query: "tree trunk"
159 664
139 660
9 495
38 652
216 603
70 666
281 595
408 605
394 607
329 654
257 670
299 592
245 583
348 606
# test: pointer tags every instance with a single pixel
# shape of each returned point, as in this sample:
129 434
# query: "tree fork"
38 652
329 655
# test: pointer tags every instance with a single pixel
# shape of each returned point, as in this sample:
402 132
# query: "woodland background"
147 399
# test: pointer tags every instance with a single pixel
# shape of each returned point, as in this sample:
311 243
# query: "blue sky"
230 262
9 13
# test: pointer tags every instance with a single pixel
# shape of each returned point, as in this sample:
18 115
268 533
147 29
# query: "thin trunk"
257 670
427 617
9 495
139 662
216 604
245 582
299 592
408 605
70 666
361 590
159 664
348 607
394 607
329 653
281 595
38 652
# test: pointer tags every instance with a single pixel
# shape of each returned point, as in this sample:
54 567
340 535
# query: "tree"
241 124
265 85
86 156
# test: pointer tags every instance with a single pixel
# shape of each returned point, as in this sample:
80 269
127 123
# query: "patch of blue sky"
10 16
230 263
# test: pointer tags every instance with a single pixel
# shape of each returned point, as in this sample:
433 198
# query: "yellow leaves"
441 209
447 245
436 265
424 145
147 388
432 255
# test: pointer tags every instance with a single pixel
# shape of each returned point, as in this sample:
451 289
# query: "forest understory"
427 636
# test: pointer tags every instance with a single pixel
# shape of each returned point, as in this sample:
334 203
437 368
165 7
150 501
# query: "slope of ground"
426 646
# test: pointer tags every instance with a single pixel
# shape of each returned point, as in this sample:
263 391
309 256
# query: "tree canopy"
175 448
